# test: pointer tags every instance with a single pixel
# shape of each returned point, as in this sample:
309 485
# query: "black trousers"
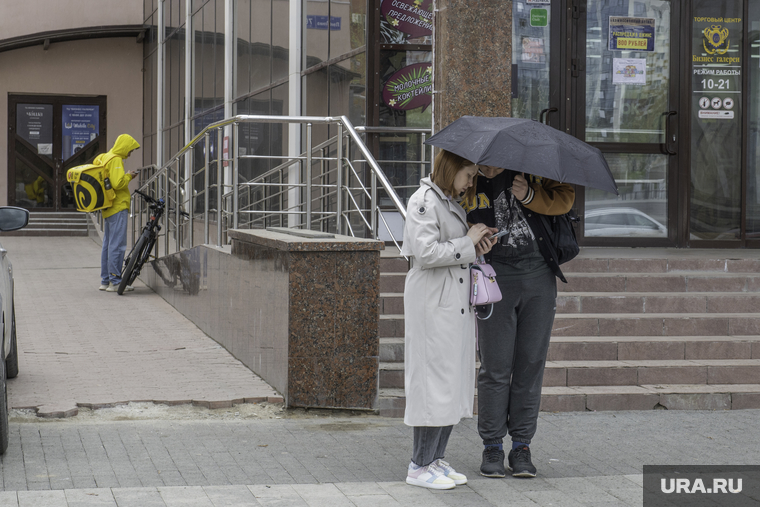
513 345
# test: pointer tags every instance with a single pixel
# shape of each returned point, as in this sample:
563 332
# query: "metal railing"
236 174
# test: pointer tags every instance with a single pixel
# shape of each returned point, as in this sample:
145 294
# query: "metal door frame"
57 101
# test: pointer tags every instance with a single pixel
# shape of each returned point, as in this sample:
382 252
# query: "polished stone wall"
472 51
302 312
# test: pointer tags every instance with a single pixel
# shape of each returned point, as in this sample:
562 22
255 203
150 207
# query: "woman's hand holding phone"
485 241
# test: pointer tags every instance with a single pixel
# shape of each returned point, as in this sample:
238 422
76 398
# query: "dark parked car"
11 218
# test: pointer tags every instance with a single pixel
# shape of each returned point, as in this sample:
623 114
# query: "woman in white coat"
439 334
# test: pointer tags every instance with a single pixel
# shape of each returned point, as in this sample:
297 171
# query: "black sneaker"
493 462
519 462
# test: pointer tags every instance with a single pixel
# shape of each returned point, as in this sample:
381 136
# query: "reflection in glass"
530 54
254 49
348 89
617 111
317 32
753 137
715 193
280 38
641 208
208 24
346 26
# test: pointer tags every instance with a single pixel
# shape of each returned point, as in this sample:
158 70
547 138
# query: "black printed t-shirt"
516 256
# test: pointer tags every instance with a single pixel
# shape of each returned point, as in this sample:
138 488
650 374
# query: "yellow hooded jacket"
114 162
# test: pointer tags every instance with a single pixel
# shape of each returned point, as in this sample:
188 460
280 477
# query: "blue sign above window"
320 22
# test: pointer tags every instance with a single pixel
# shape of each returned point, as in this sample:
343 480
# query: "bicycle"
144 245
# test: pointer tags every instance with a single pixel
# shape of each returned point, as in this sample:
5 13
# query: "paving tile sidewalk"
79 346
583 459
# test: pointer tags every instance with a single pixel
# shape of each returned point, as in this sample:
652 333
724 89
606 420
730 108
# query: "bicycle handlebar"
146 197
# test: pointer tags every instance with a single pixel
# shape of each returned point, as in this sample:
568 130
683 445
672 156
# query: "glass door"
625 91
48 135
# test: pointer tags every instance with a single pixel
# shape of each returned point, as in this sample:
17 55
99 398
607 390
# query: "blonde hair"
445 169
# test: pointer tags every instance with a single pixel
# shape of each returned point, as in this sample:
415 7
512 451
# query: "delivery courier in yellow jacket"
96 186
115 215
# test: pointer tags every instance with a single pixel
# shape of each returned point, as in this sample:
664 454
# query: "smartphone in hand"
499 234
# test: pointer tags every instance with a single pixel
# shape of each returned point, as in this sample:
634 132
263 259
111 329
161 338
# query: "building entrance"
48 135
664 89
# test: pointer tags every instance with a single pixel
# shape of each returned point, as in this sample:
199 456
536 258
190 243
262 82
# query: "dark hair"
446 167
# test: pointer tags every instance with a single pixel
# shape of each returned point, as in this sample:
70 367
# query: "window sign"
538 2
716 122
631 34
411 19
34 123
539 17
532 50
410 88
80 125
320 23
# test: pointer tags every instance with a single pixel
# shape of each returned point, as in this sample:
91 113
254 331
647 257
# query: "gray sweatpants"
430 444
513 345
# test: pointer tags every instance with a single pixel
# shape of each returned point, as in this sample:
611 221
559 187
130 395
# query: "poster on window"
631 71
410 87
631 34
405 20
532 50
34 123
80 126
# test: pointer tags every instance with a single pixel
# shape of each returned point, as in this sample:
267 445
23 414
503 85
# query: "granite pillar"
330 291
472 52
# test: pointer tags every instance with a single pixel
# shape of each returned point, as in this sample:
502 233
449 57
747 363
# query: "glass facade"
371 60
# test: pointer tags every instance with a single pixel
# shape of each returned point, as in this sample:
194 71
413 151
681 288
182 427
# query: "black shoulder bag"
562 235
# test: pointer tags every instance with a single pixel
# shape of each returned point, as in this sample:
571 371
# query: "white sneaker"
428 477
452 474
103 286
114 288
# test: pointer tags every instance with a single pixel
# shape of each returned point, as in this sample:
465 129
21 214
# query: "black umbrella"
526 146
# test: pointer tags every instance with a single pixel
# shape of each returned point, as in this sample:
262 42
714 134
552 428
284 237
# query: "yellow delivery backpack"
91 186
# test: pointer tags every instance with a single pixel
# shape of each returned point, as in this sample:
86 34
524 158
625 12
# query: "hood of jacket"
123 145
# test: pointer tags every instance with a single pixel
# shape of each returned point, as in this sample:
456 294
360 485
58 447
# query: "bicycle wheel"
132 265
142 258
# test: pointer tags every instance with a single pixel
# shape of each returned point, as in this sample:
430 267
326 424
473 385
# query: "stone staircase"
71 223
636 329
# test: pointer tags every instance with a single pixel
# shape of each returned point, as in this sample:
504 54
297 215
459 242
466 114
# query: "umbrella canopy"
527 146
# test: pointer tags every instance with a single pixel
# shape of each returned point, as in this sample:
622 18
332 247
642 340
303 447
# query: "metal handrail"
324 192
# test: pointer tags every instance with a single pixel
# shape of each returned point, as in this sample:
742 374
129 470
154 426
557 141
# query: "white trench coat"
439 336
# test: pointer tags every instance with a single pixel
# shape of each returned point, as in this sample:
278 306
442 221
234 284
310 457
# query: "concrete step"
392 282
57 214
625 348
625 373
391 402
631 302
654 302
623 324
664 282
394 265
46 232
644 372
657 324
697 261
57 225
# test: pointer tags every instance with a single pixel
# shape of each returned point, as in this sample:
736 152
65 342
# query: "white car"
11 218
622 223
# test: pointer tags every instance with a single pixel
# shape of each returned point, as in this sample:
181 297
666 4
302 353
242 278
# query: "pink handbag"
483 287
